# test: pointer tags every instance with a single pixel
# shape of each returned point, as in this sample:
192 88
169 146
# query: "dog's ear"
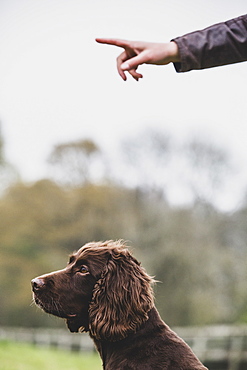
121 298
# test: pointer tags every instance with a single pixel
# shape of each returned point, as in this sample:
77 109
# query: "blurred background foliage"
196 252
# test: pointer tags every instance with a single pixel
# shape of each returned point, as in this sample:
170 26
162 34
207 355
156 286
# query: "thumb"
134 62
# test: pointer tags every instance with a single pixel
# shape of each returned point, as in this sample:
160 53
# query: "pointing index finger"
116 42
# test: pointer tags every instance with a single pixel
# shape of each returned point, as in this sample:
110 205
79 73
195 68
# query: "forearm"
220 44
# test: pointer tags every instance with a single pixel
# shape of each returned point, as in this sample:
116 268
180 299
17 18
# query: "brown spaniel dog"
103 290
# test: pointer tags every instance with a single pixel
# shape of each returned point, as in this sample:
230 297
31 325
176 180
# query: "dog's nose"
37 284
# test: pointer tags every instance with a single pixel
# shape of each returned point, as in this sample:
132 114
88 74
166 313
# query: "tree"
146 156
77 163
207 166
8 174
193 171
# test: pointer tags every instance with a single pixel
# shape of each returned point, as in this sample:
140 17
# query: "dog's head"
103 290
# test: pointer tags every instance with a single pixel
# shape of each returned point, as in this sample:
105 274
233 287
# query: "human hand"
137 52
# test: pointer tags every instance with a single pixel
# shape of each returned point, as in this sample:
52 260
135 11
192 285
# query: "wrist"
174 52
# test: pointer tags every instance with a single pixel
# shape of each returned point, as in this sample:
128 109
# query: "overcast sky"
57 84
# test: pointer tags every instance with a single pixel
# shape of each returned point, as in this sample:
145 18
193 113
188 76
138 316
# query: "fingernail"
125 66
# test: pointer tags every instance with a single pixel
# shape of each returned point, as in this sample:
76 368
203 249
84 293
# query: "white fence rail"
218 347
55 338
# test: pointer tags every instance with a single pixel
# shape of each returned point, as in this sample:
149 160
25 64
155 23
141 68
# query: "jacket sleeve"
217 45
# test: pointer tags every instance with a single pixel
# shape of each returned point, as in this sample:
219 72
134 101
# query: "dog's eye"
83 269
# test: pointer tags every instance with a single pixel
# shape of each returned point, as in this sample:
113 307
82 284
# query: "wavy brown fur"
105 291
122 297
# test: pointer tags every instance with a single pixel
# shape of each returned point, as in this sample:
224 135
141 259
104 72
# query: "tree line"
196 252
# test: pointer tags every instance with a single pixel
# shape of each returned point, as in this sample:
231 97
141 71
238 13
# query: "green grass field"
19 356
